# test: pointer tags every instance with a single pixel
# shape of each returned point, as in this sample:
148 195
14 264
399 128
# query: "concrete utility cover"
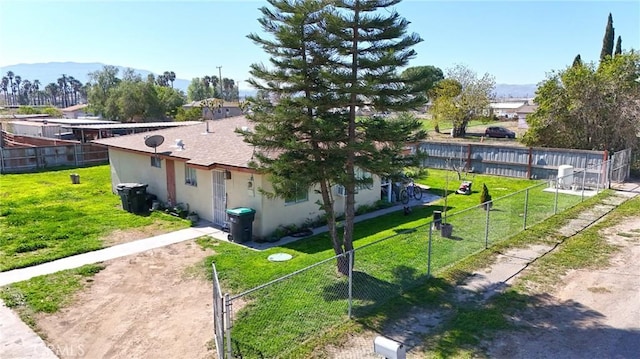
279 257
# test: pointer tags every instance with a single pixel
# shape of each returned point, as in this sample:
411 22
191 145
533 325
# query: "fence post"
599 175
526 205
584 177
75 154
429 250
486 225
350 254
555 201
227 325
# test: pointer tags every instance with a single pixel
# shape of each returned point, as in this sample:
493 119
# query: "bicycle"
410 189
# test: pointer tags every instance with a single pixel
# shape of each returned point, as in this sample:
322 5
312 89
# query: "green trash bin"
241 223
134 197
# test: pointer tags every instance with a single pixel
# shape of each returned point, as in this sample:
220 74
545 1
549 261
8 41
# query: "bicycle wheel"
417 192
404 196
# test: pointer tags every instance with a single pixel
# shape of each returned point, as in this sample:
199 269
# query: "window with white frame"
360 175
156 162
300 194
190 176
365 177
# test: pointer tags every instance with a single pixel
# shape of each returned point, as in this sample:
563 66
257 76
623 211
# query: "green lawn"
311 302
44 217
429 125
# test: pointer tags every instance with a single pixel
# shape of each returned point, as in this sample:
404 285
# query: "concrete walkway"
117 251
17 340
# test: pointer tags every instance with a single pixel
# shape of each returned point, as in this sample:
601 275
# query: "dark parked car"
499 132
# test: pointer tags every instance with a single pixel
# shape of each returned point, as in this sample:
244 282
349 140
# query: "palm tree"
214 83
16 89
23 94
62 84
36 90
171 77
4 86
161 80
52 91
228 85
75 87
10 75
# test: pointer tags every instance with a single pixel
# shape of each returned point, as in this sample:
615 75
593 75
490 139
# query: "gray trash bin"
75 178
241 219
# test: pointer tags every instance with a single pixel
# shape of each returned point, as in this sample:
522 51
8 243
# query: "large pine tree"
607 41
328 58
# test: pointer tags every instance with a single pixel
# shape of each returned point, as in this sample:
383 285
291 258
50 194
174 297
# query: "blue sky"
516 41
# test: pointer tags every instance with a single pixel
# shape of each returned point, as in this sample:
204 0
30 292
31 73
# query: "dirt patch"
150 305
589 314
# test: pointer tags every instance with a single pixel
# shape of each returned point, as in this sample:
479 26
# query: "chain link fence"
282 318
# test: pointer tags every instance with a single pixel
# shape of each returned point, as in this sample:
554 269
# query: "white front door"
219 198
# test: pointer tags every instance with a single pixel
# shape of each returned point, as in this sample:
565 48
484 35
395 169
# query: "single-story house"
75 111
523 111
206 167
217 110
505 109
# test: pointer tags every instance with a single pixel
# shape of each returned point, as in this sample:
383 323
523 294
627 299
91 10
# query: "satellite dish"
153 141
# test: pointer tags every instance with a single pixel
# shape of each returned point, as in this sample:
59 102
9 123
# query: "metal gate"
218 314
219 198
620 166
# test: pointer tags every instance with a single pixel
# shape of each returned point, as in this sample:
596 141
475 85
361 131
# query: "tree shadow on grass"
370 292
322 242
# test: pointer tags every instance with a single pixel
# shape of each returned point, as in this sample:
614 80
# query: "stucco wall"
270 213
131 167
239 195
200 197
276 212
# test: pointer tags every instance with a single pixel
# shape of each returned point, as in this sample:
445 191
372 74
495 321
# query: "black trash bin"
437 219
134 197
241 219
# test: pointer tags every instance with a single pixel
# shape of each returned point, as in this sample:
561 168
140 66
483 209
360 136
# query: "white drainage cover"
279 257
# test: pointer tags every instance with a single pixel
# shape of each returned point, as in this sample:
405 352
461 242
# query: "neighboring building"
522 112
35 129
75 111
24 117
221 110
207 167
506 109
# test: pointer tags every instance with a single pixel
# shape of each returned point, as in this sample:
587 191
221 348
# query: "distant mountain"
515 91
51 71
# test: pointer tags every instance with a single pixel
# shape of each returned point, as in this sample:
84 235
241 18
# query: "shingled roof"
220 145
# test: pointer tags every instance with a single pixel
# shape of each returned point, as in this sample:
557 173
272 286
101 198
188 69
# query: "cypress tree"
607 41
577 61
618 46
